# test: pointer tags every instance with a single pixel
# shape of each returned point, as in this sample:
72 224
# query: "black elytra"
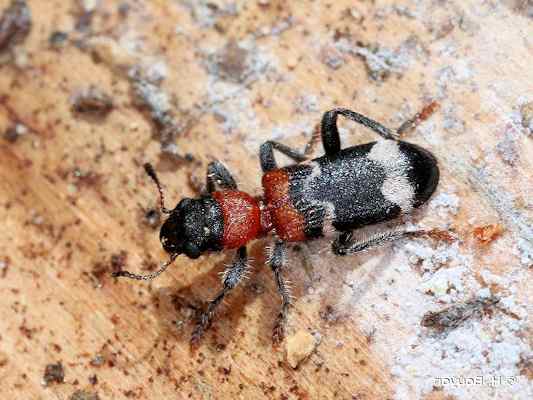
351 184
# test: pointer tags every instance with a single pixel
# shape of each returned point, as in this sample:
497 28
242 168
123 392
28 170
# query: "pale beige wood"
58 228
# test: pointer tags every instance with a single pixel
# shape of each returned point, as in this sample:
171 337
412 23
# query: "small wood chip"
92 101
84 395
527 115
486 234
53 373
15 24
299 346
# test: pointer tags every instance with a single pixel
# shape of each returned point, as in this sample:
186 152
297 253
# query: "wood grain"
73 193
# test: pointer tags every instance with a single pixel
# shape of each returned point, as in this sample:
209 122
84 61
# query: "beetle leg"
344 245
231 277
266 154
330 133
266 151
277 261
218 175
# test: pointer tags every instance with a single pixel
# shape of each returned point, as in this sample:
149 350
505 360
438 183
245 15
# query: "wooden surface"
73 197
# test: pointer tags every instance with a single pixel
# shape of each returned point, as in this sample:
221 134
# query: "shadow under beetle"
337 193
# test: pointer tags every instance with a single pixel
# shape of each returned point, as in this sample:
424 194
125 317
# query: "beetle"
339 192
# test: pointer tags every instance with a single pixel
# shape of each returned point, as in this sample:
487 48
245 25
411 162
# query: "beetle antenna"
151 173
147 277
419 117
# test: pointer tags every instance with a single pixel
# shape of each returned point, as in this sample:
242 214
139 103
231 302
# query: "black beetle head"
193 227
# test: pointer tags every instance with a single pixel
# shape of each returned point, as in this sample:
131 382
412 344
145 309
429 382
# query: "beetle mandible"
341 191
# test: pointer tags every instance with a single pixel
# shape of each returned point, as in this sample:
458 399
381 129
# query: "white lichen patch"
153 96
232 70
421 276
307 104
487 348
525 251
490 347
445 204
89 5
207 12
